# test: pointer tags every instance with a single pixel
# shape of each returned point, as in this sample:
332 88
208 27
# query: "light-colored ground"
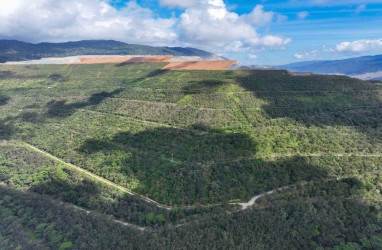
200 65
50 60
369 76
186 59
96 59
197 58
175 62
252 201
124 59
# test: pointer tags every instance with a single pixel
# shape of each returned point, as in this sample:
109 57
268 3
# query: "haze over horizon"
260 32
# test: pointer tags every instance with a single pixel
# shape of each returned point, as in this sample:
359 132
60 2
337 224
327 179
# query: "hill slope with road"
148 158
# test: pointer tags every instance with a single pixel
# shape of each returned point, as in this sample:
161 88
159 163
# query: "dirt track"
96 177
202 65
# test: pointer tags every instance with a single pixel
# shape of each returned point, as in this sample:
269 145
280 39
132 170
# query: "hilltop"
13 50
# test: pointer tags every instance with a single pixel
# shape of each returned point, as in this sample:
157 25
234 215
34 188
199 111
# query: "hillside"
146 158
12 50
351 66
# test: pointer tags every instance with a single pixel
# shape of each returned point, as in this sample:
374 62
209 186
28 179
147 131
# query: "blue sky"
312 26
263 32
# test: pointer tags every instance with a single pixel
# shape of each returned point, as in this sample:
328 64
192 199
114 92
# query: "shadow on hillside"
55 109
179 145
57 77
63 109
151 74
34 67
205 86
91 195
138 60
6 128
13 75
4 100
318 221
177 166
4 75
322 217
316 100
50 224
32 117
156 73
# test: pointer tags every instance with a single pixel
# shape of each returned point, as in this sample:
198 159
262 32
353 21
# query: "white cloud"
302 15
359 46
343 48
235 46
258 16
360 8
313 54
203 23
252 56
179 3
212 24
62 20
270 41
281 18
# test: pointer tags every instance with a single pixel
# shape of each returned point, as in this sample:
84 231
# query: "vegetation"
197 142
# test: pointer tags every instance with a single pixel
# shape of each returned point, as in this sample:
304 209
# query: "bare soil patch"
124 59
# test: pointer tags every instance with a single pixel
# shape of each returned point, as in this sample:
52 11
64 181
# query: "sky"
255 32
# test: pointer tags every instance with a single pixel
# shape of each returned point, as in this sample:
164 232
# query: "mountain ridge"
356 66
14 50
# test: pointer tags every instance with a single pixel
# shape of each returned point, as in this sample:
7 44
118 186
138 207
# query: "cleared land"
124 59
174 63
200 65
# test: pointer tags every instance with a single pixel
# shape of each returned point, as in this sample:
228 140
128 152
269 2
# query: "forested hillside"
12 50
129 156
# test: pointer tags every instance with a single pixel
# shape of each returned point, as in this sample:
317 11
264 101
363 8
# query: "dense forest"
129 156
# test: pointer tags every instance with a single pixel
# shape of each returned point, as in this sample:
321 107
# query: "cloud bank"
344 48
359 46
202 23
179 3
62 20
210 24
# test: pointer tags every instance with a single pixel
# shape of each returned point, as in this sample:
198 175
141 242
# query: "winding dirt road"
96 177
244 205
252 201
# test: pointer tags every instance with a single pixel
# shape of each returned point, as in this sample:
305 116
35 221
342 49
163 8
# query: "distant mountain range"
366 67
13 50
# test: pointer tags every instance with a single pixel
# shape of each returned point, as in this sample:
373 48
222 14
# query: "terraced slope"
196 140
193 137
